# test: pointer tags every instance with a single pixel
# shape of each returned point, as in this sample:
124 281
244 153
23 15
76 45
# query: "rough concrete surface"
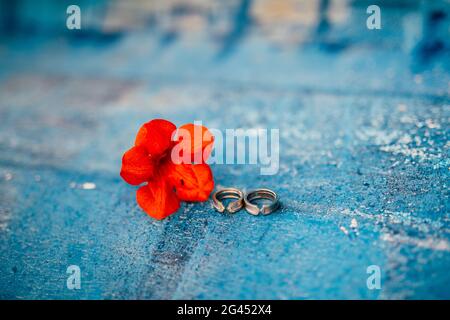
364 160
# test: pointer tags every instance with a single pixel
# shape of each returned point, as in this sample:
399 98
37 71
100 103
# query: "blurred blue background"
364 167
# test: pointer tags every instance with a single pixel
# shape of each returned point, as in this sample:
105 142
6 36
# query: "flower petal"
193 182
200 143
156 137
157 198
137 166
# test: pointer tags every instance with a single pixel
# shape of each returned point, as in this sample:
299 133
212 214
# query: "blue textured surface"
364 124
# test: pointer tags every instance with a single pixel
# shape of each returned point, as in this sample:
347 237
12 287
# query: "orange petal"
137 166
156 137
157 198
201 142
193 182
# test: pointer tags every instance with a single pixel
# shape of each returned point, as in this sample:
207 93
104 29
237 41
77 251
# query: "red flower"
151 161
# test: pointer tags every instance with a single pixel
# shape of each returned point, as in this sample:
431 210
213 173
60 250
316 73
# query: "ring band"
228 193
261 194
